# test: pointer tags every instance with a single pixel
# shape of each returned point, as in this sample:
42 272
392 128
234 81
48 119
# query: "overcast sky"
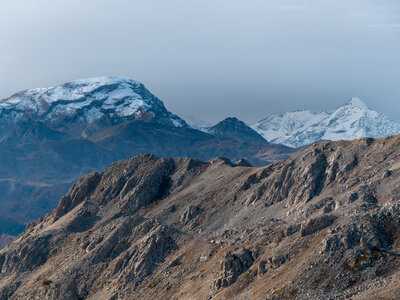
209 59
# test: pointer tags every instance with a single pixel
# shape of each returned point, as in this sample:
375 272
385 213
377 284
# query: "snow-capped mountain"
350 121
81 102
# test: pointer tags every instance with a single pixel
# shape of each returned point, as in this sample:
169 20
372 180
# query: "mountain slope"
350 121
135 137
320 225
235 129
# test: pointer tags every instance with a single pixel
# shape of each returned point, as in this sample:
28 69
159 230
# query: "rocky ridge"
162 228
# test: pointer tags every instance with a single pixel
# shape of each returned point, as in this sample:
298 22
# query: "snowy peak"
95 82
75 91
83 101
356 102
350 121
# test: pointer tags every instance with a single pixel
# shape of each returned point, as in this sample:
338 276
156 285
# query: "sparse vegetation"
346 265
293 293
376 254
280 291
360 259
152 284
45 282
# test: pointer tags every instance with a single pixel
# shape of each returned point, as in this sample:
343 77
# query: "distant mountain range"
350 121
51 136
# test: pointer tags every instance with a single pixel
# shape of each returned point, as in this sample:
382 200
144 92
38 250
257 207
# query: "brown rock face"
321 225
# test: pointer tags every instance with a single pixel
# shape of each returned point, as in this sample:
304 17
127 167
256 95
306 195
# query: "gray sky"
209 59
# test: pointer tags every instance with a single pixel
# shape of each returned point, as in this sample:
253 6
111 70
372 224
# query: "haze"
211 59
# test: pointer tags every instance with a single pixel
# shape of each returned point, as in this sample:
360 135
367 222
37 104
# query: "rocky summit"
321 225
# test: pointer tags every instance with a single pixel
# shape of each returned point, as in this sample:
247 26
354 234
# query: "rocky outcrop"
190 213
316 224
243 163
321 225
232 266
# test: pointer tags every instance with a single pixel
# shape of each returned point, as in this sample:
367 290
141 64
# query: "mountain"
136 137
350 121
320 225
51 136
72 106
235 129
